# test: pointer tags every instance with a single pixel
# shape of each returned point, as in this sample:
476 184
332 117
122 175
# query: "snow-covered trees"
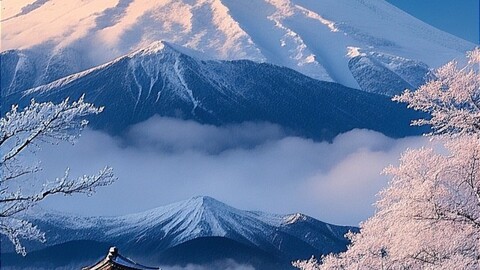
452 99
22 133
429 215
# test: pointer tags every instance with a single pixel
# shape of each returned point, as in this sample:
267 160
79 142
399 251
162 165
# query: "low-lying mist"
252 166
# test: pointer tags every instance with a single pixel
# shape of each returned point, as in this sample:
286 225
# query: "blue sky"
458 17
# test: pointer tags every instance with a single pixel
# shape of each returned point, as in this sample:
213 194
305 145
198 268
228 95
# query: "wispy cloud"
253 166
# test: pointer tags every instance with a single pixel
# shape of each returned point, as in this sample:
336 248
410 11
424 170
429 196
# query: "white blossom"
310 264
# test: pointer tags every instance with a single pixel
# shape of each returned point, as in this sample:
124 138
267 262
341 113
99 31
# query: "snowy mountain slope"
317 38
159 79
21 70
386 74
154 234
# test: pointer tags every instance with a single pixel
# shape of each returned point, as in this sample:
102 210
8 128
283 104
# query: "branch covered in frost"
16 202
16 229
41 121
27 129
452 99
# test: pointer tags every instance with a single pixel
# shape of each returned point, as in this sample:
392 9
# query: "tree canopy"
429 215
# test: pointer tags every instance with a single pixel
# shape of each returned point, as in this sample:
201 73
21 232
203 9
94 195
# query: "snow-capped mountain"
330 40
166 234
160 79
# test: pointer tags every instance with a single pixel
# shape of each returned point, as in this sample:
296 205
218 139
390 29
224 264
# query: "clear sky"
458 17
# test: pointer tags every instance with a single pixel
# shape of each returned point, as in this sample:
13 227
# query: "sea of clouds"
251 166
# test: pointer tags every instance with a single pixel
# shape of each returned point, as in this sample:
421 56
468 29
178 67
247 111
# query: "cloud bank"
252 166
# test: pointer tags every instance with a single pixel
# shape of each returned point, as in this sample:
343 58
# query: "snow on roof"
117 261
129 263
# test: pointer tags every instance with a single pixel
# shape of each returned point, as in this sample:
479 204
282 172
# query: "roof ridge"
115 261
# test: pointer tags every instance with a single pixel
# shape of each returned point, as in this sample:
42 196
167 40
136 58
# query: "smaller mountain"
162 79
387 74
200 230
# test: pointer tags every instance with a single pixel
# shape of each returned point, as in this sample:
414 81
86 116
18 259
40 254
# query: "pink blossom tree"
429 215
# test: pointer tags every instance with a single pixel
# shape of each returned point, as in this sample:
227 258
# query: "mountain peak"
154 48
205 200
290 219
205 205
161 46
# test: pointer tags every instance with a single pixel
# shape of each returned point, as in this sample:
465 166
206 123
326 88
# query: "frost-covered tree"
22 132
452 99
429 215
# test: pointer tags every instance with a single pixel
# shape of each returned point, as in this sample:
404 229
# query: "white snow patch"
294 218
354 51
178 72
313 15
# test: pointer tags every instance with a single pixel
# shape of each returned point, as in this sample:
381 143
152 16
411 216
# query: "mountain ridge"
201 220
162 80
274 31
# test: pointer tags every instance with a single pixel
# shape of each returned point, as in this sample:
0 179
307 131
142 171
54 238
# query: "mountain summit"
324 39
161 79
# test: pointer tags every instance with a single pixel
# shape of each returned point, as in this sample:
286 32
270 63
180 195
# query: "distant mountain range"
161 79
200 230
